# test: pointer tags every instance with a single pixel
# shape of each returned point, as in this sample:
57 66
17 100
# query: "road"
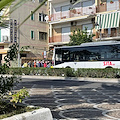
74 100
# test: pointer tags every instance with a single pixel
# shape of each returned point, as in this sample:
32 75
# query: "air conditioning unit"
74 23
5 38
72 1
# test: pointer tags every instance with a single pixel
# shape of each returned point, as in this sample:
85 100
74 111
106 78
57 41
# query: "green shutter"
109 20
32 16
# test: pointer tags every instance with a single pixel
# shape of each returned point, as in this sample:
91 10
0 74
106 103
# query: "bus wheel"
108 67
68 67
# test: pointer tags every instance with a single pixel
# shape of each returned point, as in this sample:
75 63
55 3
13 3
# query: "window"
1 47
42 36
32 16
23 55
42 17
32 34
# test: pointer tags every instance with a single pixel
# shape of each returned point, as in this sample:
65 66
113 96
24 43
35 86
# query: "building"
102 16
33 34
4 34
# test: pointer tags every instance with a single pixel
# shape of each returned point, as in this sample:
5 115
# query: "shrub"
67 72
19 96
6 84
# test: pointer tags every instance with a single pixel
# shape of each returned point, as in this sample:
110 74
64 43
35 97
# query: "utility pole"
18 46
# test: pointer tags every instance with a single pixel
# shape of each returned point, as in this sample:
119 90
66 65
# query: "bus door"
58 57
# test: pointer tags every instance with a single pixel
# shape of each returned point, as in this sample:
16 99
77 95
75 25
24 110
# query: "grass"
7 109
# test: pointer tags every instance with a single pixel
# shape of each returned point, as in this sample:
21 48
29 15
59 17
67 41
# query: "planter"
101 4
40 114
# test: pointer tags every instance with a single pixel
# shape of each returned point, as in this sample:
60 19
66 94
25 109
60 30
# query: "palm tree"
6 4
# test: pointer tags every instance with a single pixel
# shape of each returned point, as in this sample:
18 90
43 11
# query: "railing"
110 35
73 13
107 6
59 38
101 8
114 34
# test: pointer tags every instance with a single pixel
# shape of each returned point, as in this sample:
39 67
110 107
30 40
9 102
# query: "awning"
108 20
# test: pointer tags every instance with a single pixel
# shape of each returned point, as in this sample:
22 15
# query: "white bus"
104 54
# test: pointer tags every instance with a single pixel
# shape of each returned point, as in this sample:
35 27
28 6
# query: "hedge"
66 72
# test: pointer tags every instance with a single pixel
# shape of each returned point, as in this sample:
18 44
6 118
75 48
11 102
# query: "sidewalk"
111 80
114 80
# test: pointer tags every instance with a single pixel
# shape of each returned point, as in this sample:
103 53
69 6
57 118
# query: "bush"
6 84
3 69
66 72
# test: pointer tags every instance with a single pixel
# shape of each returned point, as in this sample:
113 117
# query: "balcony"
59 39
101 8
72 13
114 35
108 6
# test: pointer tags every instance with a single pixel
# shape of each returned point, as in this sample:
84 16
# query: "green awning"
109 20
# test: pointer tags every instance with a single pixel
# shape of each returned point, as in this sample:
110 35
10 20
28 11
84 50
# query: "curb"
113 80
40 114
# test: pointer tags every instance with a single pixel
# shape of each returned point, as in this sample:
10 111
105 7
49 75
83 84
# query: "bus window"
92 54
66 55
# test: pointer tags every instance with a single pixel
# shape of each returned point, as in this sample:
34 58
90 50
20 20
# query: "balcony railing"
73 13
101 8
108 6
113 34
59 38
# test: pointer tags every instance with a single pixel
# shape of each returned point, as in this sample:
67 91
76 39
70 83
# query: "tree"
7 3
80 36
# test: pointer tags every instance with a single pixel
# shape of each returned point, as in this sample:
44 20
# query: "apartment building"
4 34
33 34
102 16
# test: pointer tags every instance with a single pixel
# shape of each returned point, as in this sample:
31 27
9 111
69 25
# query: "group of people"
37 63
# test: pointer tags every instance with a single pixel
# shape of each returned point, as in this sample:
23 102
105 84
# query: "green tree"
80 36
8 3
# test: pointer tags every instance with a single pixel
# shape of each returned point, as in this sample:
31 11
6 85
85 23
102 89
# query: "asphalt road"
74 100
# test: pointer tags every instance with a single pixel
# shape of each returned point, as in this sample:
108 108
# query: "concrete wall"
40 114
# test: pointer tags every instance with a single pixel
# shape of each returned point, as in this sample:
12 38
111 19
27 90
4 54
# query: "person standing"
34 64
45 64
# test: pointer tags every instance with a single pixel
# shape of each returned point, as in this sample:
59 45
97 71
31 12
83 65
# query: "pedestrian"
42 63
45 64
34 64
39 64
29 64
25 64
